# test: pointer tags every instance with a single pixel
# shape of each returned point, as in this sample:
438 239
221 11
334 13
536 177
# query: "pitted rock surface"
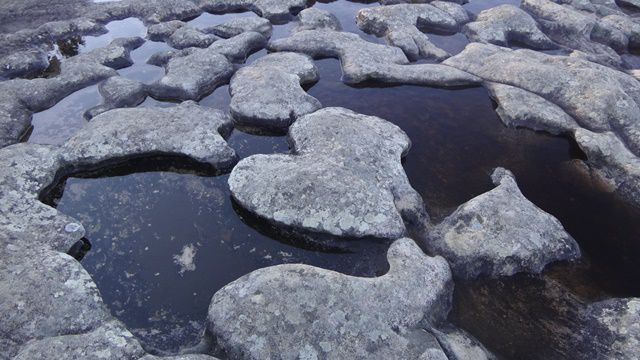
268 92
507 24
298 311
621 317
45 294
194 73
500 233
362 60
344 178
187 129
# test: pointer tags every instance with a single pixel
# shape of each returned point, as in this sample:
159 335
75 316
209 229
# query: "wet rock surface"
335 199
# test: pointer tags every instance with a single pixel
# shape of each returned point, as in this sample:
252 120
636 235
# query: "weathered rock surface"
187 129
621 317
268 92
194 73
274 10
19 98
118 92
344 178
500 233
109 341
594 97
23 64
298 311
162 31
316 19
27 170
237 26
506 24
187 36
402 25
362 61
45 294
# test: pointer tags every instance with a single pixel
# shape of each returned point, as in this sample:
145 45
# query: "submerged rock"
187 129
268 92
118 92
506 24
500 233
598 99
362 60
299 311
194 73
344 178
23 63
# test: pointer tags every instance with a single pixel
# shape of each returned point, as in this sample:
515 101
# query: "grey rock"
362 61
268 92
315 19
45 294
628 27
237 26
521 108
453 8
187 129
302 312
27 170
274 10
500 233
621 317
630 3
19 98
179 357
162 31
187 36
613 162
118 92
109 341
596 97
23 64
506 24
194 73
150 11
402 24
572 29
344 178
458 345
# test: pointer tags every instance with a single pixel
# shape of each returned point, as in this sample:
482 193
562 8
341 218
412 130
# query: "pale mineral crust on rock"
298 311
500 233
344 178
269 94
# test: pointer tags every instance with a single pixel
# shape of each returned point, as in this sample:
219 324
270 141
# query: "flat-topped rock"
162 31
186 129
194 73
402 26
238 25
45 294
299 311
343 179
268 93
316 19
500 233
365 61
109 341
118 92
187 36
274 10
506 24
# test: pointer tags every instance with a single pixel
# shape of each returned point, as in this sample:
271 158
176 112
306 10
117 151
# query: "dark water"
165 235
